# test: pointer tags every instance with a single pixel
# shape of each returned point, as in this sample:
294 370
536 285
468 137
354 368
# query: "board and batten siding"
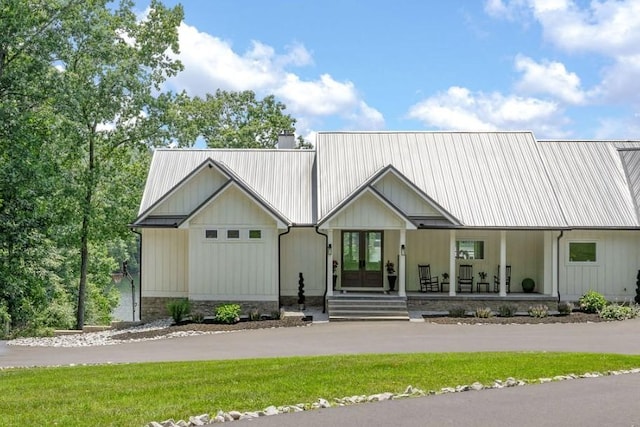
165 263
233 269
525 254
404 197
192 193
614 272
366 213
303 251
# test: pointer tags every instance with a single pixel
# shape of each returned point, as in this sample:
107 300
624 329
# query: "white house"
241 225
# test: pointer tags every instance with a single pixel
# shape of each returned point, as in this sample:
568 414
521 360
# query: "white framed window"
211 234
255 234
470 249
233 234
581 252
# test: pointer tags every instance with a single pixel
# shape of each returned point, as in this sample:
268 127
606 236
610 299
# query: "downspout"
280 264
558 262
139 272
324 296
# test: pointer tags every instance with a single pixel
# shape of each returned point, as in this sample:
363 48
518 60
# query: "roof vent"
286 141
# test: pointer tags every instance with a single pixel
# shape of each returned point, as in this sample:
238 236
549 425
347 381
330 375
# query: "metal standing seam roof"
484 179
281 177
591 184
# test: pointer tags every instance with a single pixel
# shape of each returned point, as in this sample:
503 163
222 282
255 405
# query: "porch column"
554 265
452 263
330 250
402 287
503 263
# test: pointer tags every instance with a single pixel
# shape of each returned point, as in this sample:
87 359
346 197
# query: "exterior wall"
367 213
525 254
156 308
233 269
614 272
404 197
164 263
302 250
192 194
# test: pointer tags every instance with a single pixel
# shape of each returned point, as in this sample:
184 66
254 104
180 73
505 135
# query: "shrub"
254 314
197 317
483 312
5 321
507 310
179 309
592 302
457 312
228 313
277 314
565 308
539 311
619 312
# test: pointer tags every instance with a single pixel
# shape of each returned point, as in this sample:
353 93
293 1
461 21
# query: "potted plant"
528 285
483 276
391 275
445 277
335 275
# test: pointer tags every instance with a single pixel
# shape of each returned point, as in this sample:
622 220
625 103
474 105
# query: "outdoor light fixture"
402 250
329 249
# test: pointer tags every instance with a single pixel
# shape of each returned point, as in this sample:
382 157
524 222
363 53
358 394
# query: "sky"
560 68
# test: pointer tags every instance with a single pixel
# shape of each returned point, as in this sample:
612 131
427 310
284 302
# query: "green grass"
134 394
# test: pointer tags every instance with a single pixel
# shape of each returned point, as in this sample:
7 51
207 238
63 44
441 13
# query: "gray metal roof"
484 179
591 184
282 178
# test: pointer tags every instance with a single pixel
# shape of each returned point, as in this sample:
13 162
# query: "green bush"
457 312
507 310
539 311
483 312
277 314
565 308
5 321
197 317
179 309
619 312
592 302
254 314
228 313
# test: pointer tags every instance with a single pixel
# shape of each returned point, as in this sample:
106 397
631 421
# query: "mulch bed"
287 322
576 317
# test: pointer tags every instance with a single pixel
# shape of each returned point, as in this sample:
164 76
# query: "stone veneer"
445 303
154 308
292 301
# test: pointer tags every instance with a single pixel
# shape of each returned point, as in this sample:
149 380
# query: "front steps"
345 307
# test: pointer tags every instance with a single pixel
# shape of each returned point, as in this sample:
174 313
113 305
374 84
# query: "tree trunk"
84 238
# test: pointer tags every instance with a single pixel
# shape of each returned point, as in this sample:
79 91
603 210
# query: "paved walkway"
602 401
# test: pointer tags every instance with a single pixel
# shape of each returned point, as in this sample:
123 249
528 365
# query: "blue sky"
563 69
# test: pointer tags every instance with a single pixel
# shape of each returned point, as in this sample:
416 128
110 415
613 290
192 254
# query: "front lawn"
135 394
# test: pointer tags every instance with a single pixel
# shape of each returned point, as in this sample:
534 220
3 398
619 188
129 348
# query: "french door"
362 259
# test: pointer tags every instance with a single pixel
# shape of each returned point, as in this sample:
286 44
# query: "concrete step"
358 308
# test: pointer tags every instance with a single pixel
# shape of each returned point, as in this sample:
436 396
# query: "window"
255 234
470 249
233 234
211 234
582 251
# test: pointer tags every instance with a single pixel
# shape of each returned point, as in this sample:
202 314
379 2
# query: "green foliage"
592 302
565 308
228 313
457 312
538 311
5 320
483 312
197 317
104 394
620 312
507 310
254 314
179 309
277 314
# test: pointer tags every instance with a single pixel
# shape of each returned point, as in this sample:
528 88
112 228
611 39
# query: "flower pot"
392 282
528 285
335 280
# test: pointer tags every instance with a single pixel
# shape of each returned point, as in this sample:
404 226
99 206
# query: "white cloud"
549 78
460 109
211 63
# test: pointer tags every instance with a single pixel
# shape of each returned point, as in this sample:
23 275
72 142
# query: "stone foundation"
154 308
470 303
313 301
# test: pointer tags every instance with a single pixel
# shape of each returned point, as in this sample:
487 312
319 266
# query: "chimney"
286 141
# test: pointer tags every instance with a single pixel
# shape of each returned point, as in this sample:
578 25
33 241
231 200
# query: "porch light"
402 250
329 249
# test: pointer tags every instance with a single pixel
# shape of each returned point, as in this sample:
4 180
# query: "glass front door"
362 259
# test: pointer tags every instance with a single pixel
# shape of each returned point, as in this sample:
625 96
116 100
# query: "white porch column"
452 263
503 263
402 287
554 266
330 250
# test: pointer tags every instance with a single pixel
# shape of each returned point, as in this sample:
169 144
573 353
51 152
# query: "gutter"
280 264
558 262
324 296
